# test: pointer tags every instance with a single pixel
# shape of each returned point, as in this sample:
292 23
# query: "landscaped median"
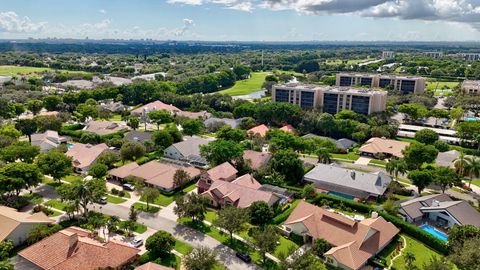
143 207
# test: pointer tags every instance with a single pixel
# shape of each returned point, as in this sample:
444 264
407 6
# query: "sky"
243 20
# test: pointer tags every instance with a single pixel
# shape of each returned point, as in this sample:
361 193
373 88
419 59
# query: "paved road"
181 232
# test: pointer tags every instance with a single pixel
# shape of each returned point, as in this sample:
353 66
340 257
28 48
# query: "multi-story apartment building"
434 54
388 54
469 56
405 84
471 87
331 99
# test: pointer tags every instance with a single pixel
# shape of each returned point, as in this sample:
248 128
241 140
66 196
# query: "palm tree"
461 163
323 155
473 169
409 259
395 167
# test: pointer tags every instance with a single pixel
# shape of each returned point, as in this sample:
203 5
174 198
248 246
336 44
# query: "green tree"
193 127
320 246
418 153
6 247
51 102
395 167
323 155
241 72
108 158
10 131
55 164
83 192
160 117
445 177
438 113
231 134
308 191
160 243
473 169
98 170
181 178
191 205
132 151
461 164
457 235
232 220
48 122
85 111
288 164
162 139
23 151
150 194
260 213
41 231
133 122
301 261
19 175
220 151
409 258
437 263
426 136
35 106
90 138
200 258
174 132
27 127
413 111
421 179
468 131
466 257
265 240
391 207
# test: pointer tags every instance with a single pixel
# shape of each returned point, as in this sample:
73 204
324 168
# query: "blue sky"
243 20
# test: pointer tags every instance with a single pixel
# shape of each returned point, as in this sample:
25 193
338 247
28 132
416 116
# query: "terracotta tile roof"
242 193
75 249
154 106
257 159
260 129
381 145
83 155
152 266
289 128
354 242
103 127
223 171
124 171
10 219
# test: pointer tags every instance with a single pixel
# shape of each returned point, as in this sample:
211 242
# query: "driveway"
363 161
168 223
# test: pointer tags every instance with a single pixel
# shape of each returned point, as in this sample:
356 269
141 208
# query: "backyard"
248 86
20 70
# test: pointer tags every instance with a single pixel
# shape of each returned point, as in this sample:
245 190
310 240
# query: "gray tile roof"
138 136
372 183
343 143
190 146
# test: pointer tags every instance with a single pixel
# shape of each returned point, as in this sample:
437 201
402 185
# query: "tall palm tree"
323 155
461 164
473 169
395 167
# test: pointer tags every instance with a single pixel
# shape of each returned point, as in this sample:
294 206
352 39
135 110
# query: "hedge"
360 207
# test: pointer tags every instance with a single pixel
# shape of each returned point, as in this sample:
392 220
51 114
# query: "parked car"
128 187
137 242
103 200
244 257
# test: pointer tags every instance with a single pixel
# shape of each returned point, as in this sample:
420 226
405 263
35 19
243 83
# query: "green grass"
22 70
143 207
422 254
34 198
115 200
382 163
432 85
51 182
189 188
458 190
475 182
54 213
245 87
116 117
56 204
210 216
162 200
401 197
182 247
71 178
349 62
349 156
286 246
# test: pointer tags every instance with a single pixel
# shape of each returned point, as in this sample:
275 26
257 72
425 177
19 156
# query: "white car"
137 242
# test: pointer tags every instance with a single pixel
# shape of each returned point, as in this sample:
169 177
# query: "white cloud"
186 2
103 11
12 23
187 24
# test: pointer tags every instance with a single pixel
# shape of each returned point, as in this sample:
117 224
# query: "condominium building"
405 84
470 56
471 87
388 54
434 54
331 99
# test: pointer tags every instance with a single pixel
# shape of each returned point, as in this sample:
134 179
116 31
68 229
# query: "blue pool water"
69 145
341 195
471 119
429 229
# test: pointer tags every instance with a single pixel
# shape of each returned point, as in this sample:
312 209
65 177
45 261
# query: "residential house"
154 106
260 130
440 209
289 128
348 183
138 136
212 121
103 127
354 242
84 155
194 115
256 159
154 173
47 140
17 225
114 107
241 193
376 147
224 172
446 159
74 248
152 266
342 144
188 150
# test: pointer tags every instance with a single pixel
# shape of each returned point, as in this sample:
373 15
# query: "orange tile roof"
223 171
260 129
381 145
11 219
289 128
75 249
83 155
257 159
152 266
354 242
153 106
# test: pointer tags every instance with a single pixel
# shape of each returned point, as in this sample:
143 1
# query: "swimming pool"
431 230
341 195
471 119
69 145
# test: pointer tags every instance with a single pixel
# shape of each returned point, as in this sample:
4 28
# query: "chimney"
88 145
374 214
72 240
435 203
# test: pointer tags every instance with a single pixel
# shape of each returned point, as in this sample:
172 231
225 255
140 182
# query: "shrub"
121 193
329 200
115 191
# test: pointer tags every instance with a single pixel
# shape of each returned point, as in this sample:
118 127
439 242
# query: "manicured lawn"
210 216
189 188
285 247
401 197
115 200
143 207
22 70
374 162
349 156
421 252
139 228
116 117
71 178
245 87
56 204
182 247
458 190
475 182
54 213
284 215
432 85
51 182
162 200
33 198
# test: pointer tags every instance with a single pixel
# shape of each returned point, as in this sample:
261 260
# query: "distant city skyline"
243 20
